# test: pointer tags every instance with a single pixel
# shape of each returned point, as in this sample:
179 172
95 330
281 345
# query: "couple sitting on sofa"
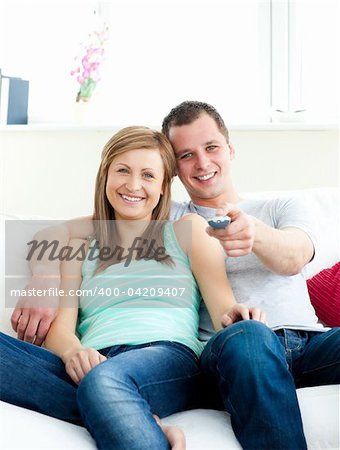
147 362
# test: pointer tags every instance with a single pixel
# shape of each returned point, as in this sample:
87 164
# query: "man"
254 367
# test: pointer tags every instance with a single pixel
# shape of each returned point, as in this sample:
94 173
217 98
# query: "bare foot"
174 435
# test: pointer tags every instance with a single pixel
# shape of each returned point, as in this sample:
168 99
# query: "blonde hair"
132 138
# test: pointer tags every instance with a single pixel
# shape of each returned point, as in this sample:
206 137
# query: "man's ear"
231 151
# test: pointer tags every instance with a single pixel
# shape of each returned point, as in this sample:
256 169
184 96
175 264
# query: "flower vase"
82 112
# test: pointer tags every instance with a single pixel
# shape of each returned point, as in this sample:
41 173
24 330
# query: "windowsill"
284 126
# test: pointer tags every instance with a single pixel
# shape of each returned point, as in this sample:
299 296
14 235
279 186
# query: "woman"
130 349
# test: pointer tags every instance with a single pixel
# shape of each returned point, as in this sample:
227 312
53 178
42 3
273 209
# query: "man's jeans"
257 371
115 400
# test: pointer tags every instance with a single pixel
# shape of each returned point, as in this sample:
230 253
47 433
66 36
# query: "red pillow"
324 292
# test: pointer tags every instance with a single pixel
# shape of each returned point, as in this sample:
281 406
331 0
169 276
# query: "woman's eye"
148 175
122 170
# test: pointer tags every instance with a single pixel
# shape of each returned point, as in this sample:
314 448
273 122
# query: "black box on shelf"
13 100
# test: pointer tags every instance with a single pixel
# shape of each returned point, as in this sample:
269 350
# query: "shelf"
232 127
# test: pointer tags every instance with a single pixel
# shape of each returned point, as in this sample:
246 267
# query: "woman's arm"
207 261
61 338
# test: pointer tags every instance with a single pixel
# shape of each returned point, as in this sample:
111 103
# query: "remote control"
219 222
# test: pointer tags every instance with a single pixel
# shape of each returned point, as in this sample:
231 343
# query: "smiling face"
134 183
203 160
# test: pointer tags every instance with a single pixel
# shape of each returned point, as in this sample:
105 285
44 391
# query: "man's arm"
207 264
32 316
285 251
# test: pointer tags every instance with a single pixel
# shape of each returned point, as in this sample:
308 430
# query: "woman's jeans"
115 400
256 371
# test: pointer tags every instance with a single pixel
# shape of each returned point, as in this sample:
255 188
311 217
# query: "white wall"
52 172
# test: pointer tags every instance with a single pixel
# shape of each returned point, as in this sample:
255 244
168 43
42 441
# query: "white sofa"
204 429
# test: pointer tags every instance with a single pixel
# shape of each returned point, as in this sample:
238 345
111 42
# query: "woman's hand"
241 312
81 361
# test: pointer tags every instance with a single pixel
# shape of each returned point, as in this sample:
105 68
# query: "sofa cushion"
19 231
324 292
204 429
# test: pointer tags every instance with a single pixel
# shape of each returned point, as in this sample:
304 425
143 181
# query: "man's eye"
185 156
211 147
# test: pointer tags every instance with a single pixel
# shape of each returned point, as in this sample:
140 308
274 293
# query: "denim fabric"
254 369
115 400
313 357
34 378
256 372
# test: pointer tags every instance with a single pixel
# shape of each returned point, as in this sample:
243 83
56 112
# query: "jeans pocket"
183 348
295 340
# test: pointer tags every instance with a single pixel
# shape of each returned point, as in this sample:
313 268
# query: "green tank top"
145 301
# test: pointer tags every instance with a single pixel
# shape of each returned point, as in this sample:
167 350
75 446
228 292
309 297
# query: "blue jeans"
256 372
115 400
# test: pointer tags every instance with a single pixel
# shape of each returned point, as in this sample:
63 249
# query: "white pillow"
14 269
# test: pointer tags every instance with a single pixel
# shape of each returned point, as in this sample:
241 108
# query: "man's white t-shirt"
285 299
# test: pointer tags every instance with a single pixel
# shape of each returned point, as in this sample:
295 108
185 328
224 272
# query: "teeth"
131 199
206 177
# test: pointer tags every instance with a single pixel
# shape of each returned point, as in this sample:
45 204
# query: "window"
304 56
246 57
317 27
164 52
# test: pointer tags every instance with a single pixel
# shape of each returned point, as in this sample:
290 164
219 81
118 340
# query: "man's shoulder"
282 211
264 205
179 209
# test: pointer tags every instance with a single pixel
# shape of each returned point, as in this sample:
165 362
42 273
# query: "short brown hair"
189 111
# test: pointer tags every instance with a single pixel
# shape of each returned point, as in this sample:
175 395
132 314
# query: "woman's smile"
135 184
